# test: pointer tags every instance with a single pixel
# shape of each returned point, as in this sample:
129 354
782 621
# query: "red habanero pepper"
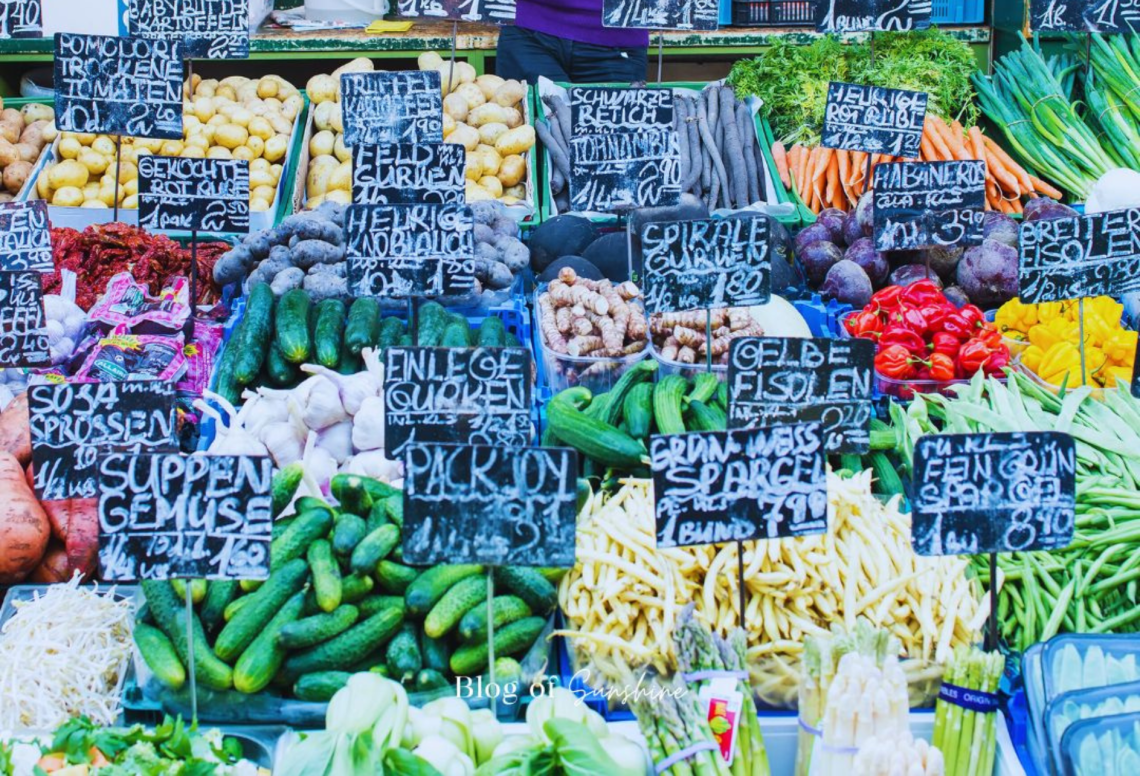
973 316
923 292
895 362
973 356
956 324
898 335
910 317
999 359
864 324
886 299
941 367
944 342
991 336
935 316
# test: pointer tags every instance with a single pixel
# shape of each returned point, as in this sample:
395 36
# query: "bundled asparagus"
676 731
898 754
702 654
964 719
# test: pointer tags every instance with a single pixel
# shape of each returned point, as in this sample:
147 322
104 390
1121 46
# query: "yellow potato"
489 133
267 87
86 138
107 196
474 167
276 171
510 94
492 184
68 196
488 84
322 89
241 117
339 195
448 125
231 136
193 152
340 150
154 145
313 203
323 115
242 152
70 174
322 143
171 148
283 126
197 141
341 177
512 170
50 132
489 113
129 154
260 177
95 163
126 171
514 117
93 202
91 190
34 111
256 146
515 192
258 165
131 187
490 159
259 126
131 202
517 141
429 60
268 193
68 148
476 193
471 94
219 152
204 109
455 106
292 106
466 136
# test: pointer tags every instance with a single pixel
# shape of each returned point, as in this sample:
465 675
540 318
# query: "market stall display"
24 131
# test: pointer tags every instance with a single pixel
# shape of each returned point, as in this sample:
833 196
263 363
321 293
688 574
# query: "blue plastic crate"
957 11
764 13
822 317
1017 720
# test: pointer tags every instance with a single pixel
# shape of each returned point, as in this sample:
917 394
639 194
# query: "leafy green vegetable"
401 762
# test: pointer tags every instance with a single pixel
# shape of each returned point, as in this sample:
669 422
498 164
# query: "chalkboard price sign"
722 262
210 195
497 506
478 396
209 29
873 119
842 16
1104 16
713 487
391 107
486 11
929 204
21 19
776 380
409 174
1007 492
74 424
410 250
661 14
173 516
21 319
25 242
1090 255
624 151
118 86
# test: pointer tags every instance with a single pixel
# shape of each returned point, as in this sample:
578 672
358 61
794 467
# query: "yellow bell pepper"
1013 316
1117 374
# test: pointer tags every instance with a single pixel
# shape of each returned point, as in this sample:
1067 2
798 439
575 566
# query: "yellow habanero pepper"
1031 358
1013 317
1046 335
1060 360
1117 374
1105 307
1120 348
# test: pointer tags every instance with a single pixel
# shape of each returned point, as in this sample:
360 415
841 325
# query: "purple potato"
988 273
944 259
912 273
865 212
1000 227
817 232
832 218
817 259
847 282
1050 211
956 296
874 263
852 231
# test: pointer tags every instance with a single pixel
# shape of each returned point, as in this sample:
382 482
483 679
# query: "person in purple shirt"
564 40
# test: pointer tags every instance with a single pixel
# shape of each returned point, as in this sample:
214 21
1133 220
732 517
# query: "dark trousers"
525 55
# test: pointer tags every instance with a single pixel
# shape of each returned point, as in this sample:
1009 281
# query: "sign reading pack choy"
209 195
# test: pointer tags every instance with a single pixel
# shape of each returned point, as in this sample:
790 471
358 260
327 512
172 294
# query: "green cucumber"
377 516
328 333
394 509
218 597
403 656
309 631
292 326
284 486
234 606
348 647
430 679
637 410
320 686
519 636
261 660
349 490
430 323
391 329
635 375
350 529
507 609
667 404
376 489
722 396
254 616
456 335
305 529
704 387
431 585
349 363
327 583
280 372
363 327
372 604
197 589
436 653
170 615
158 653
374 548
492 333
594 438
705 417
225 384
463 596
355 587
395 578
529 585
252 336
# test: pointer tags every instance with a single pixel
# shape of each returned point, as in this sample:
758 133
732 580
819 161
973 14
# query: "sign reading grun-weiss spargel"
210 29
1091 255
1002 492
381 107
624 151
1104 16
209 195
873 119
661 14
118 86
168 516
715 263
775 380
713 487
25 242
929 204
497 506
840 16
486 11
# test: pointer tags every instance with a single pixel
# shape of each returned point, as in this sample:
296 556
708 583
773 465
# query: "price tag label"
842 16
21 19
478 396
380 107
978 493
713 487
409 174
172 516
928 204
209 195
209 29
22 320
485 11
25 239
873 119
776 380
1103 16
397 251
624 151
1091 255
709 264
118 86
74 425
492 505
661 14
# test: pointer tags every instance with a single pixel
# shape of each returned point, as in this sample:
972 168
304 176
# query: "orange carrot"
977 145
1008 162
1005 179
793 166
781 158
1017 208
833 194
928 153
1038 185
807 164
844 174
942 151
1005 207
819 176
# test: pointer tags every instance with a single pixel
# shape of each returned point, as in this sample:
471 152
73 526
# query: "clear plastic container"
1104 745
1072 707
1097 392
666 367
1079 661
1035 703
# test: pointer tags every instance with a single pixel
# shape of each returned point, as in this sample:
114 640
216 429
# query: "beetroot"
847 282
912 273
865 212
817 258
832 218
988 273
817 232
852 231
944 259
874 263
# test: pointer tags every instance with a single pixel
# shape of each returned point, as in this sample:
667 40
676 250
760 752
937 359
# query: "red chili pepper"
912 341
973 315
864 324
973 356
956 324
923 292
935 316
991 336
944 342
941 367
910 317
895 362
999 359
887 299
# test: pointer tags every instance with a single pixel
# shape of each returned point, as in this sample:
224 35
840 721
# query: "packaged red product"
200 353
123 356
127 303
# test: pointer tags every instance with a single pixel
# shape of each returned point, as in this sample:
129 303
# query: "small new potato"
341 177
276 170
513 116
256 146
242 152
463 135
91 190
195 141
15 175
340 150
455 106
95 162
268 193
471 94
131 187
267 87
219 152
231 136
474 167
492 184
260 127
28 151
292 106
43 188
517 141
9 154
131 202
490 159
193 152
171 148
241 117
34 111
339 196
68 196
68 174
258 165
275 148
512 170
489 133
282 125
68 148
260 177
51 132
490 113
429 60
510 94
322 143
489 84
322 88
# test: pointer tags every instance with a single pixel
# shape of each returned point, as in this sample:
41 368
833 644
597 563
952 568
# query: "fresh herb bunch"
791 79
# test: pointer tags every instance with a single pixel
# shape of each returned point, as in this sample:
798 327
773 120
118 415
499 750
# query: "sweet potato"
24 527
15 431
53 568
83 536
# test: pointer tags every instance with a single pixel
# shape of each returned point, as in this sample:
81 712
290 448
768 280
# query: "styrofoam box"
82 217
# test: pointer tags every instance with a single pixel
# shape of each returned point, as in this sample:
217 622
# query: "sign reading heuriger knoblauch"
210 29
210 195
118 86
873 119
168 516
391 107
1090 255
25 242
713 487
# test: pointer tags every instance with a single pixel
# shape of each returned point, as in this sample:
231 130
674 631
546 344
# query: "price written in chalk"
929 204
661 14
1103 16
391 107
1004 492
873 119
409 173
22 320
210 195
25 242
1091 255
209 29
724 486
21 19
486 11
